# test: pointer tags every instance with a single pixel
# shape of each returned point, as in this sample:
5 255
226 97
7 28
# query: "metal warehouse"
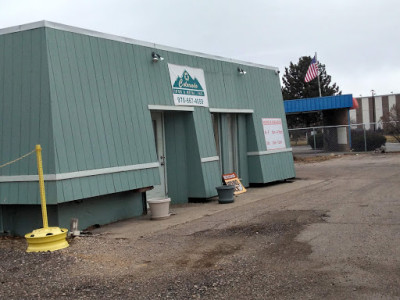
116 116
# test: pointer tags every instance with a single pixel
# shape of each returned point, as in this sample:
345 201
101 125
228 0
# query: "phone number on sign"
190 100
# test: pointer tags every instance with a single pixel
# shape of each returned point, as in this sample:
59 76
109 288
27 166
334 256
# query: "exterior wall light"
277 72
156 57
241 71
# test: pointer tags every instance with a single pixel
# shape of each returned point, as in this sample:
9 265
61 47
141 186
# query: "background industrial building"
372 108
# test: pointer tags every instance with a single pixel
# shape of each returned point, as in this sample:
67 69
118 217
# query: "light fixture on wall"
156 57
241 71
277 72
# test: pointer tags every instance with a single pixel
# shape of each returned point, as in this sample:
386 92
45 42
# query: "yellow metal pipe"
46 238
41 185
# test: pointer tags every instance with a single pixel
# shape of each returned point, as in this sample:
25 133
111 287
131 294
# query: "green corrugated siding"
225 147
25 113
210 171
212 178
21 219
187 176
242 149
269 104
196 186
98 114
274 167
176 155
98 210
91 95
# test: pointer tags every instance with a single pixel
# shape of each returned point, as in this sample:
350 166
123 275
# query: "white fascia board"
98 34
168 107
23 27
232 110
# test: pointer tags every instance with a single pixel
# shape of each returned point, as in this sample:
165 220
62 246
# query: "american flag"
312 71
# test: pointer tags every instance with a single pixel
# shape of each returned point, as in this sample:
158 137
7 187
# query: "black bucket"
225 193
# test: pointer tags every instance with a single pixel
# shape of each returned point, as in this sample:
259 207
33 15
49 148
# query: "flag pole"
319 85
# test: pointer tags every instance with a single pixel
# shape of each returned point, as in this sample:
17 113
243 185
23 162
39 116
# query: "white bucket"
159 208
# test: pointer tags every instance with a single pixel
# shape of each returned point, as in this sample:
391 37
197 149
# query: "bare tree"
391 122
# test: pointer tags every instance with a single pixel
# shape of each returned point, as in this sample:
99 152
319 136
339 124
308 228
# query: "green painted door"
226 140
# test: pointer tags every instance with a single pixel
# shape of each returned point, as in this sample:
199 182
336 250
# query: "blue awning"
318 103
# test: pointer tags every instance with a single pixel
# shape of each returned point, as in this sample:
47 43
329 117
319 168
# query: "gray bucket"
225 193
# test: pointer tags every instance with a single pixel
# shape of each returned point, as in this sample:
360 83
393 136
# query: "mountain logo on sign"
186 84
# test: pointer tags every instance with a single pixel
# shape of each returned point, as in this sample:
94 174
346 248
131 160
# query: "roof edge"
98 34
318 103
23 27
382 95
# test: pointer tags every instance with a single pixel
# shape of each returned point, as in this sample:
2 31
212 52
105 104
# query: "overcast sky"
357 40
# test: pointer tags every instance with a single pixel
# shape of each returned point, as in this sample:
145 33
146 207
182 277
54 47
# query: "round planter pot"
225 193
159 208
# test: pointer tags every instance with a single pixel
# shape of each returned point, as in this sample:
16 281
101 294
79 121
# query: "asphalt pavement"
333 232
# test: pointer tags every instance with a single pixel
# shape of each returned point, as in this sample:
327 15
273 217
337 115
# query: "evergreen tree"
294 87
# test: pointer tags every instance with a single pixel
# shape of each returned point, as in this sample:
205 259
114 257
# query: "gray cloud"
356 40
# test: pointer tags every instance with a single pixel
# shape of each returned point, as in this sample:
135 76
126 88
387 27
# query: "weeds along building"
116 116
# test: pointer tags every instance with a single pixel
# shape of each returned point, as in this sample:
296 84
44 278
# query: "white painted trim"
98 34
23 27
26 178
79 174
232 110
208 159
168 107
259 153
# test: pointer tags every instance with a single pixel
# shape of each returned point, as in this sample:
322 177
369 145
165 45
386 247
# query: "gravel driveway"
333 233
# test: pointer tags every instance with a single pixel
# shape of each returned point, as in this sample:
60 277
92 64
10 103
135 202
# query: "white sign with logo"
188 85
273 132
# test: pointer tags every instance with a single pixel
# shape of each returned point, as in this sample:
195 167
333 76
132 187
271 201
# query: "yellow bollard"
41 185
46 238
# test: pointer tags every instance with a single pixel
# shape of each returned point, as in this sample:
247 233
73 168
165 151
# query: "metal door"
159 191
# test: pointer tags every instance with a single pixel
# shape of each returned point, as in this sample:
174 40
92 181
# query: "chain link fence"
378 137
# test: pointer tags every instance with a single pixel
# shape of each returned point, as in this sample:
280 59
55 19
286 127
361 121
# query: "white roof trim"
98 34
168 107
23 27
232 110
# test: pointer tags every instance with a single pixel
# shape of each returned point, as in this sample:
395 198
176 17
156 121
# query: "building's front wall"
25 114
95 100
371 109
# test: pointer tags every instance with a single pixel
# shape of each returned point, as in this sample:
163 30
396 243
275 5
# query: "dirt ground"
336 236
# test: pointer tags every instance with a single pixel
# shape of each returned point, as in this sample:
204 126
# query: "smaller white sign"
188 85
273 132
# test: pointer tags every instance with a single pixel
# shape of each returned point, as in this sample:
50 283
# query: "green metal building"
116 116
